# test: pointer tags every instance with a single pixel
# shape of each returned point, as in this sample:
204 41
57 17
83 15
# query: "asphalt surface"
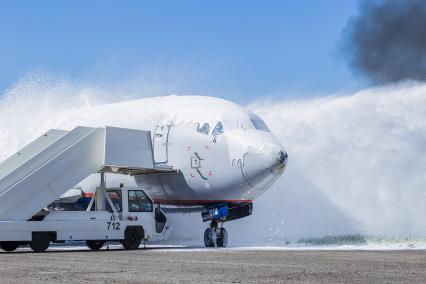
217 265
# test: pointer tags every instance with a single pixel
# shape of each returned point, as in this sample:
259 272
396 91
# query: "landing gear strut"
215 236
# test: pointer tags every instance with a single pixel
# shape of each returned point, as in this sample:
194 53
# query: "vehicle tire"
40 241
132 239
9 246
209 237
95 244
222 239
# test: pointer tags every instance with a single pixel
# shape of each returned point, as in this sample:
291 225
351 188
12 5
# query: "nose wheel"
215 236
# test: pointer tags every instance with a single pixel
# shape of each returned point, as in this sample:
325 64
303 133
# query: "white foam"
357 163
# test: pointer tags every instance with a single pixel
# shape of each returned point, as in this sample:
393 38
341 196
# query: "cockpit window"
258 123
218 129
205 129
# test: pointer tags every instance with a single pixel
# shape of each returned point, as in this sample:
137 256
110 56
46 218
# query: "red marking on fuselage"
198 202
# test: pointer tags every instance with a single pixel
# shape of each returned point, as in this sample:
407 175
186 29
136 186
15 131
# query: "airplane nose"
261 169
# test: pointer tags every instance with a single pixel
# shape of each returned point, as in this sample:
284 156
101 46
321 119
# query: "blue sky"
240 50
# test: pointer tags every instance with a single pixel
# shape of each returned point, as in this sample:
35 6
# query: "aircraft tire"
9 246
40 241
209 237
222 238
95 244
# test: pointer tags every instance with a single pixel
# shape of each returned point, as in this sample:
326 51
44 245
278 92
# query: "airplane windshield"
205 129
258 123
218 129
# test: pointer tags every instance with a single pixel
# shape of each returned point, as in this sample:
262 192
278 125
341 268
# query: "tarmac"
192 265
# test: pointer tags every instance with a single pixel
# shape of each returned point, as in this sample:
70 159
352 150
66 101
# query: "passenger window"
115 197
139 202
205 129
218 129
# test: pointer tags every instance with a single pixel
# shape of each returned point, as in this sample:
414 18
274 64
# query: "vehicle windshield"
139 202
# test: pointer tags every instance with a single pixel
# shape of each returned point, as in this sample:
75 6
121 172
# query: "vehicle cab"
131 204
123 214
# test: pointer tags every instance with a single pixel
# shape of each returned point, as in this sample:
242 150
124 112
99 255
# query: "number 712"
113 225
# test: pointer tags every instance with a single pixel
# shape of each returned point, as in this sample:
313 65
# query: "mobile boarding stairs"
58 160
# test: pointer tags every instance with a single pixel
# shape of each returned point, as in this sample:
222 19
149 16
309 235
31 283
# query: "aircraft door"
161 143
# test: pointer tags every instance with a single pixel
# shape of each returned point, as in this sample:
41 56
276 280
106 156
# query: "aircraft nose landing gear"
218 236
215 236
222 238
210 238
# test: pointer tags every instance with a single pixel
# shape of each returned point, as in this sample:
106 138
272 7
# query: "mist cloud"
386 41
357 162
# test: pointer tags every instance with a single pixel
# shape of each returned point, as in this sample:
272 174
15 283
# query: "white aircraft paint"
220 152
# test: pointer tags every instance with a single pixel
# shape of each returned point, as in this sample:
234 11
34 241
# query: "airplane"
219 156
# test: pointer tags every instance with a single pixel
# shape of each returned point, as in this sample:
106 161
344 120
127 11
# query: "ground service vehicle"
40 173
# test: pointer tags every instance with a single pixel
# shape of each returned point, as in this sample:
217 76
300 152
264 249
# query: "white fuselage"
219 151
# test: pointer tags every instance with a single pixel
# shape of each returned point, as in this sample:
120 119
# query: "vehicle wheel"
9 246
222 239
95 244
209 238
40 241
132 239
